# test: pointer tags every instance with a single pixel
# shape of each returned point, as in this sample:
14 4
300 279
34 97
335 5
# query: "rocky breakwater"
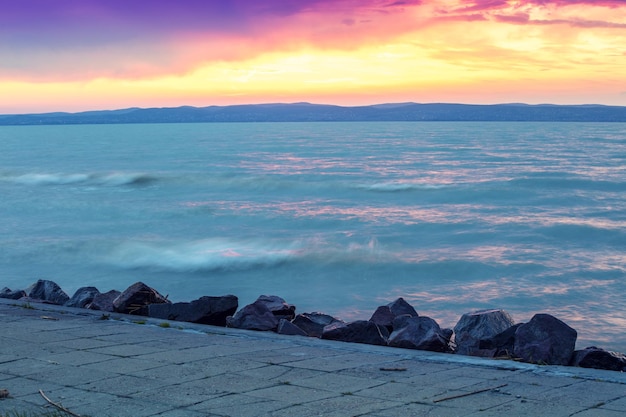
488 333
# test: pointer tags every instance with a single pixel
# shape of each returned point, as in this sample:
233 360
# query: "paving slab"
130 366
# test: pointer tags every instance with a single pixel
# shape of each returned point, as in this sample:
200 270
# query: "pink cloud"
84 39
516 12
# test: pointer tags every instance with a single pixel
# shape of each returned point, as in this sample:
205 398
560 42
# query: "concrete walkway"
120 367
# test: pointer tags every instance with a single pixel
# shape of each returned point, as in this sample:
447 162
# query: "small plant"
165 325
105 317
27 306
347 393
139 322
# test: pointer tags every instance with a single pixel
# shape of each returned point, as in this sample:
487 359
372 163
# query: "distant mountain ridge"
307 112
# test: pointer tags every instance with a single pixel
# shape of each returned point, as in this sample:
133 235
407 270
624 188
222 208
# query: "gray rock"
104 301
447 333
361 331
278 306
593 357
502 344
421 333
313 323
82 297
474 327
385 315
46 290
545 339
288 328
135 298
205 310
255 316
12 295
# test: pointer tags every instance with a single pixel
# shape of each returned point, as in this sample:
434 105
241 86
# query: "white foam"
398 186
49 179
111 179
206 254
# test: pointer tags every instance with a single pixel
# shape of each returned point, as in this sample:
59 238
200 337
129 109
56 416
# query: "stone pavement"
123 366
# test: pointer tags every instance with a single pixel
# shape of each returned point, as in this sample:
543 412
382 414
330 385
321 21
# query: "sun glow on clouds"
344 52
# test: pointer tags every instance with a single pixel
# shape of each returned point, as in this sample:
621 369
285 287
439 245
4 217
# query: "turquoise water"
333 217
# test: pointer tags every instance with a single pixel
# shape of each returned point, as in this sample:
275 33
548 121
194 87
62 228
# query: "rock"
313 323
593 357
361 331
255 316
136 297
104 301
447 333
385 315
278 307
545 339
46 290
421 333
205 310
82 297
12 295
474 327
502 344
288 328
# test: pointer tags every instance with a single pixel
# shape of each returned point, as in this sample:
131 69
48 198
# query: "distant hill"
307 112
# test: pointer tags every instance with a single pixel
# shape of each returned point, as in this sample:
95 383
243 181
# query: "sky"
75 55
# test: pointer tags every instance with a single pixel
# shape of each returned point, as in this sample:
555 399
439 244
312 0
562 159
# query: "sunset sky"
73 55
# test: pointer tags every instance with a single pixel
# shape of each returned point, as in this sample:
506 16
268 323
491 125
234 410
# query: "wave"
398 186
569 183
206 254
111 179
219 254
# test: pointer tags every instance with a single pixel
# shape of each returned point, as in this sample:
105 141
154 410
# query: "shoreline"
487 333
252 335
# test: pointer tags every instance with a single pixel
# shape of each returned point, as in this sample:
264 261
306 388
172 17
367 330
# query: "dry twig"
468 393
59 406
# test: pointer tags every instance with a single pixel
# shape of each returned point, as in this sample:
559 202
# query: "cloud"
73 39
85 39
574 13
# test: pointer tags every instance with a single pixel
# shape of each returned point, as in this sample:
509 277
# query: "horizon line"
404 103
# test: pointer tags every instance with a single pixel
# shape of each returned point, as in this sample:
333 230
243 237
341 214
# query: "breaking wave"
219 254
111 179
206 254
398 186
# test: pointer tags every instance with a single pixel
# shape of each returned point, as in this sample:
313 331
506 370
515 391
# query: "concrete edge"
418 355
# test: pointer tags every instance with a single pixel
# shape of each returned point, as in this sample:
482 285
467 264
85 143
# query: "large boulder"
593 357
385 315
421 333
205 310
546 340
12 295
135 298
255 316
47 291
313 323
474 327
278 306
500 345
104 301
82 297
288 328
361 331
